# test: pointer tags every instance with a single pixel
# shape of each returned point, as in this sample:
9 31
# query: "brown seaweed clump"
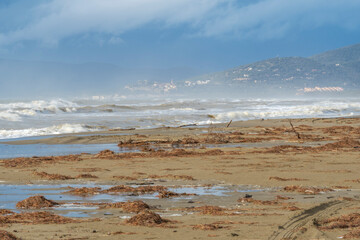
260 202
285 206
35 218
86 175
287 179
5 212
130 207
210 210
52 176
343 143
306 190
146 218
353 234
169 194
36 161
172 176
84 191
349 221
125 178
4 235
107 154
207 227
139 190
36 202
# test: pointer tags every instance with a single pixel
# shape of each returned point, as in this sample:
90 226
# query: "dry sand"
308 172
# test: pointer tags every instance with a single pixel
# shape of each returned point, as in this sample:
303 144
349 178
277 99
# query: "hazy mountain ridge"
336 68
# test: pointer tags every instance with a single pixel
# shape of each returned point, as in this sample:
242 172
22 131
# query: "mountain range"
336 70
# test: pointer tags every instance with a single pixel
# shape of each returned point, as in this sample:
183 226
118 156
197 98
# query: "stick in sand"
229 123
292 126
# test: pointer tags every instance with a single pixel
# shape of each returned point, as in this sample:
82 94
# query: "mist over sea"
57 116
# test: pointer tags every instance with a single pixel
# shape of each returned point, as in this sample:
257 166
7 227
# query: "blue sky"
210 35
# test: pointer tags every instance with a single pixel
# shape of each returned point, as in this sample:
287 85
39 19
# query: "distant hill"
336 70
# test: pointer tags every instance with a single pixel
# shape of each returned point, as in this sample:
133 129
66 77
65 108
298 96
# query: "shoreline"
75 138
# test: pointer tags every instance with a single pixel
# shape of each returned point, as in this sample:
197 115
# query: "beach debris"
169 194
86 175
210 210
341 130
146 218
36 161
35 218
260 202
172 176
293 129
52 176
89 169
207 227
349 221
4 235
130 207
6 212
287 179
306 190
125 177
121 233
248 196
279 197
36 202
84 191
139 190
291 208
343 143
108 154
285 206
228 125
353 234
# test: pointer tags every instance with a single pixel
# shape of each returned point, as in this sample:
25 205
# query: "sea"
43 118
40 117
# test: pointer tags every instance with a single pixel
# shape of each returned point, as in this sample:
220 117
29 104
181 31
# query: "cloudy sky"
206 34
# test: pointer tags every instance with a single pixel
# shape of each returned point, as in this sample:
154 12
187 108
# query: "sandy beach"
259 179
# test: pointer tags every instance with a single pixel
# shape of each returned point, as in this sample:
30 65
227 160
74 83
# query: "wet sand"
280 179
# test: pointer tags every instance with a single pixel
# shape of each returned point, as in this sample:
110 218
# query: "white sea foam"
16 111
58 129
329 110
9 116
34 118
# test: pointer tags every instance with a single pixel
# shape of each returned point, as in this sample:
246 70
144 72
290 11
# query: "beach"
256 179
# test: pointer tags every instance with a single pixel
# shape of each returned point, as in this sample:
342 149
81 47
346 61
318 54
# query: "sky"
210 35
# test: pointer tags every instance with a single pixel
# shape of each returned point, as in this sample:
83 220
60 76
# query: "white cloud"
59 19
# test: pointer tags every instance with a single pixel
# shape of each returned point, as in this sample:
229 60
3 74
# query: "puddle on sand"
29 150
11 194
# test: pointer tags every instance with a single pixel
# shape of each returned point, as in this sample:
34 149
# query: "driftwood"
229 123
292 126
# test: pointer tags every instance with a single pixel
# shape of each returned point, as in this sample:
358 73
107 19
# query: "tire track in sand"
290 228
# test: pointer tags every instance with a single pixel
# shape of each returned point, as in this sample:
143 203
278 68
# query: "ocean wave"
293 111
53 130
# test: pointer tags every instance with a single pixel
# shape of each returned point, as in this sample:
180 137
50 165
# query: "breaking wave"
33 118
326 110
53 130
